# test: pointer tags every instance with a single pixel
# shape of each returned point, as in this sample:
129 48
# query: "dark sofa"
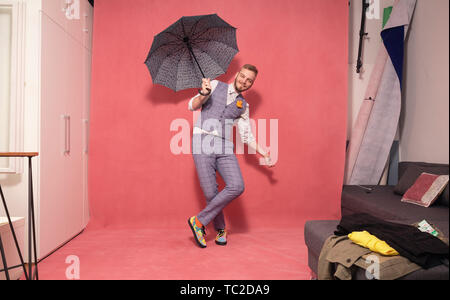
384 202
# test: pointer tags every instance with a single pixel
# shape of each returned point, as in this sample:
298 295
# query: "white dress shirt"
243 122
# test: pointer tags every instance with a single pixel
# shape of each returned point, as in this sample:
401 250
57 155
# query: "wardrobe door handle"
66 119
86 135
63 134
68 134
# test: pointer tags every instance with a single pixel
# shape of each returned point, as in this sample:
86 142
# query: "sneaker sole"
221 243
195 235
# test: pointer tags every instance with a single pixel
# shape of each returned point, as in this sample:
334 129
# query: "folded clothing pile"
419 247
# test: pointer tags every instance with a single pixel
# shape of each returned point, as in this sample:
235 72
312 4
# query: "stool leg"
30 260
31 200
5 265
13 232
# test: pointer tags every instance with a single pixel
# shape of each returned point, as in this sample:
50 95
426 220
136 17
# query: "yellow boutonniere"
239 103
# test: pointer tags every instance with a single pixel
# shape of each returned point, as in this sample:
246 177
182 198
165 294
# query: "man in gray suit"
222 106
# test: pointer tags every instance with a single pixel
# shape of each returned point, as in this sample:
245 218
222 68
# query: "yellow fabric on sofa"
365 239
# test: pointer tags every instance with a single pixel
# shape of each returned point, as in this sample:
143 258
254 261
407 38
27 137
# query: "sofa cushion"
443 199
408 173
383 203
404 165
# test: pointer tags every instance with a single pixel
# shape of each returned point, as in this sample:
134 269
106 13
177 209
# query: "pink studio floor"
172 254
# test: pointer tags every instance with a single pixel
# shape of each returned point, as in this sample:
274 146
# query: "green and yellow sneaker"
198 230
221 237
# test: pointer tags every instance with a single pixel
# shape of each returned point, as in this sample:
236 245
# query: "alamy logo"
373 11
373 270
73 270
180 143
72 9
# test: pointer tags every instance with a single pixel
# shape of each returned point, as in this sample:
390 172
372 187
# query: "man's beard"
236 88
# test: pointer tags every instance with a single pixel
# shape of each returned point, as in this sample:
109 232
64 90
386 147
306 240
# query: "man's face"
244 80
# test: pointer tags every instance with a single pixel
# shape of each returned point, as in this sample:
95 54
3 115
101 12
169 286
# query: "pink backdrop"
300 48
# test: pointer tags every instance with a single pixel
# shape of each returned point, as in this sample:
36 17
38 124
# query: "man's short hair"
251 68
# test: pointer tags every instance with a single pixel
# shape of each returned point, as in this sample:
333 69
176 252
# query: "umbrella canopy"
192 48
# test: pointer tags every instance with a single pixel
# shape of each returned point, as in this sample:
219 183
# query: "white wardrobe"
66 39
52 65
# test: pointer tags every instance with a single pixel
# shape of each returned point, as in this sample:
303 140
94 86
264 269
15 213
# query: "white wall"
424 124
15 186
5 80
424 121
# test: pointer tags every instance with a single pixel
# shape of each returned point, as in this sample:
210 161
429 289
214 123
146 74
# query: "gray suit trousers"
218 157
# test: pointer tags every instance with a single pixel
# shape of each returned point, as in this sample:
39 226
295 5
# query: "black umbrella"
190 49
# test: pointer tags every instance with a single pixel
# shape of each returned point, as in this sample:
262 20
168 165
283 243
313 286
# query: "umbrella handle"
200 92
